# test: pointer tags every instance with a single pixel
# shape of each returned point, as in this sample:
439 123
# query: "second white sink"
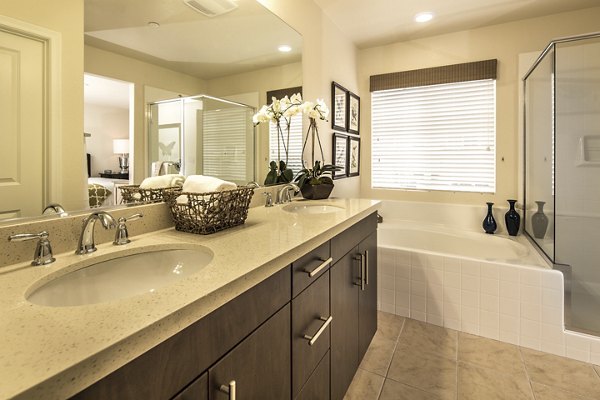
121 277
312 208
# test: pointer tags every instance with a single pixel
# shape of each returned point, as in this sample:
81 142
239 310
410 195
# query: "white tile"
469 267
452 323
552 298
553 348
402 311
509 337
403 257
435 276
490 271
388 296
452 265
490 303
388 308
531 329
386 269
530 343
425 260
402 285
469 282
403 299
418 288
452 280
451 295
531 311
469 315
419 316
595 345
509 290
577 354
489 332
386 281
509 274
418 303
531 294
469 298
595 358
417 274
530 277
489 319
509 324
468 327
578 342
451 311
510 307
386 257
436 262
435 292
490 286
435 320
553 316
553 334
552 280
403 271
435 307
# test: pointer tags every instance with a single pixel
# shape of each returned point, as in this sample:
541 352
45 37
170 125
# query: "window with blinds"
435 137
295 151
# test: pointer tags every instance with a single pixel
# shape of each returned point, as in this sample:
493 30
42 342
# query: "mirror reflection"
141 53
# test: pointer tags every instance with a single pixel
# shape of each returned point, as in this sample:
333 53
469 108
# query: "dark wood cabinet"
309 267
259 366
367 298
317 386
197 390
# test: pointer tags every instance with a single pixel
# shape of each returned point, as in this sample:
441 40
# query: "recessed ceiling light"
424 17
284 48
153 24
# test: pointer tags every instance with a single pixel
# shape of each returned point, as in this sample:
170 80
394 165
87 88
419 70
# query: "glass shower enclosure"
202 135
562 170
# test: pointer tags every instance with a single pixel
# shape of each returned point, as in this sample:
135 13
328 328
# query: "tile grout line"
533 396
393 353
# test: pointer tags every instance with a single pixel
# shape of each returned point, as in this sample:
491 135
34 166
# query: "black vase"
539 221
489 223
512 219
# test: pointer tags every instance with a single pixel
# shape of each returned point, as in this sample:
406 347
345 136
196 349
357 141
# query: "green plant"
273 178
317 175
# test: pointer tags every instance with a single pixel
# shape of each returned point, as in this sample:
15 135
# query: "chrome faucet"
86 239
43 250
283 194
55 208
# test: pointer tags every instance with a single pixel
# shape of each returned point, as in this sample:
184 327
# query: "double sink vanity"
282 307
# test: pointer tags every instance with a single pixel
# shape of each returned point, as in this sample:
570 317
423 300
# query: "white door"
22 127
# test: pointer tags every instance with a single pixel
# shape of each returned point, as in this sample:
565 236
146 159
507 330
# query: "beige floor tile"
393 390
429 338
379 355
597 369
365 386
543 392
389 325
490 353
562 373
425 371
477 383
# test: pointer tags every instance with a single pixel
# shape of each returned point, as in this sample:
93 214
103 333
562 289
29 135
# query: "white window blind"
295 151
438 137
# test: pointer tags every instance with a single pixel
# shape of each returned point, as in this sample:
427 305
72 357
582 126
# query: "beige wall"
326 55
66 18
105 124
141 74
503 42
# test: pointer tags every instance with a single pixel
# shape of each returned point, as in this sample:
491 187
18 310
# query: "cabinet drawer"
198 390
351 237
310 313
312 263
259 366
317 386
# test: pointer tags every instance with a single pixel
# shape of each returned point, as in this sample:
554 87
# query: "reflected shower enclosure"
562 170
203 135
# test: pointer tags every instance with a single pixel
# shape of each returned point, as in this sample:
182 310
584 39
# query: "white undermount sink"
121 277
312 208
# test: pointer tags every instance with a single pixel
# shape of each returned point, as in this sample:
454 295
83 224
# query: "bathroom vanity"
286 310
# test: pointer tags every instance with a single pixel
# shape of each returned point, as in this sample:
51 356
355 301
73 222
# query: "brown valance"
471 71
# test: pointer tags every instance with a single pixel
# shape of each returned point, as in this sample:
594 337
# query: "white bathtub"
464 244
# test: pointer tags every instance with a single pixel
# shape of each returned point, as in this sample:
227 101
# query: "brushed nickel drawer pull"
230 390
367 267
362 272
320 267
313 339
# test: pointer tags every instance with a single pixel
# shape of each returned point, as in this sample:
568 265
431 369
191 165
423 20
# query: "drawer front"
313 263
317 386
259 367
351 237
310 313
198 390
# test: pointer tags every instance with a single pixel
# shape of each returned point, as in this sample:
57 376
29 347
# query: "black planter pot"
512 219
316 192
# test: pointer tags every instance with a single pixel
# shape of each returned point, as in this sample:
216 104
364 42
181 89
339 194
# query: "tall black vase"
512 219
539 221
489 223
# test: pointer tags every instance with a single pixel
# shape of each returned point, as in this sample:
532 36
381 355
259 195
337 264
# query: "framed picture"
353 156
169 142
353 113
339 98
340 151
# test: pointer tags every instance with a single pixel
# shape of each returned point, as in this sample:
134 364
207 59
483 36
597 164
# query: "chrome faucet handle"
268 199
253 184
43 250
283 195
86 238
122 236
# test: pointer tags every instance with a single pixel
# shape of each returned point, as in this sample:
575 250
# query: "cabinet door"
198 390
317 386
259 367
367 298
344 277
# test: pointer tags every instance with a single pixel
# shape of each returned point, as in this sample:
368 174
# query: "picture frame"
353 156
353 113
339 107
169 142
340 155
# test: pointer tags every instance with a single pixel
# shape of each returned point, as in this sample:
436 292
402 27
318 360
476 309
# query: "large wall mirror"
142 52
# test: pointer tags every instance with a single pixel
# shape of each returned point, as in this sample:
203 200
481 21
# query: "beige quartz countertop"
55 352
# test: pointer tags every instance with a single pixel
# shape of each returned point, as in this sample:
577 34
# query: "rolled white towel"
162 181
204 184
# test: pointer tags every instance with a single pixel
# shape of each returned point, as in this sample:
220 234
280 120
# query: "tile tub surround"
412 360
56 352
514 304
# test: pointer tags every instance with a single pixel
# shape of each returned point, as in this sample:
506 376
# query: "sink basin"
312 208
121 277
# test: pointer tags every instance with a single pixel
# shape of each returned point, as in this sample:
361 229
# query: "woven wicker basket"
132 194
206 213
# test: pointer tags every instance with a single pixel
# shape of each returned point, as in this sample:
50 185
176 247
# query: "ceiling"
378 22
187 41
